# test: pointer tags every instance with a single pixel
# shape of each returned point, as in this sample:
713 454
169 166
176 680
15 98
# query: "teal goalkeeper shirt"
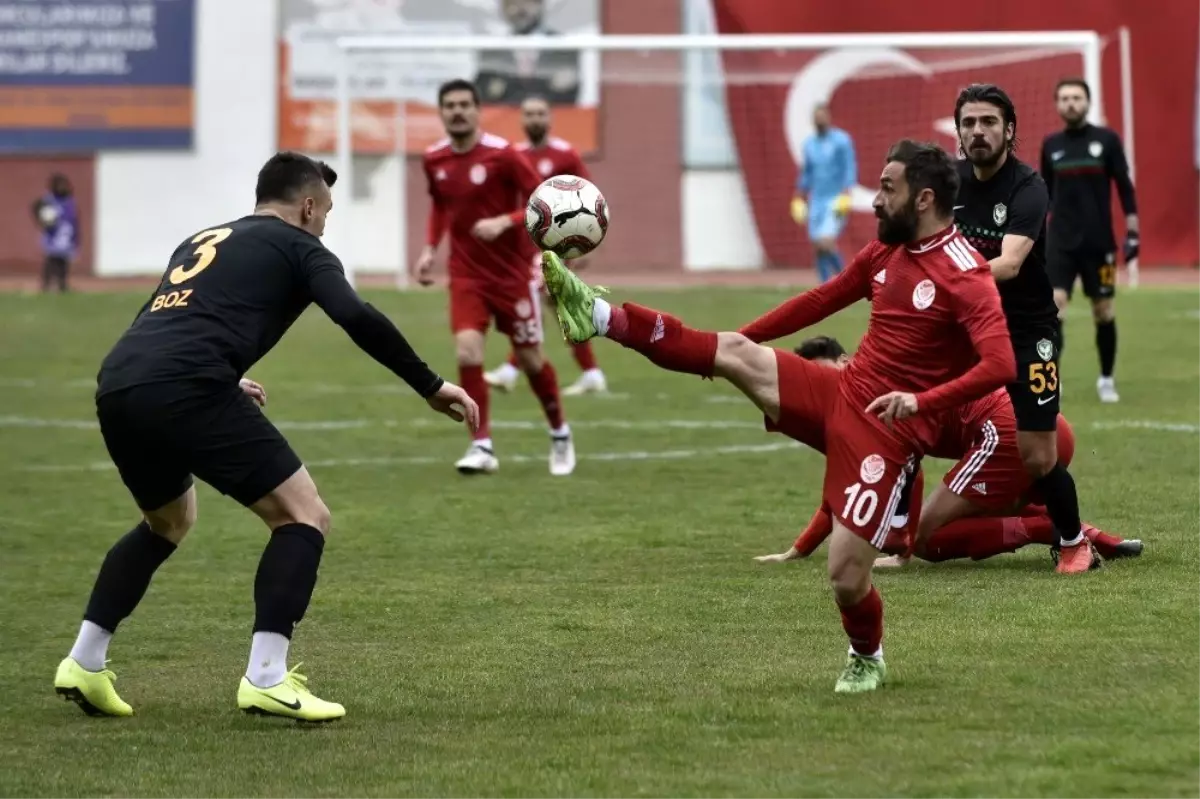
830 167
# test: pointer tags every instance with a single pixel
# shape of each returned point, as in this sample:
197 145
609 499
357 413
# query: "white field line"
421 423
426 460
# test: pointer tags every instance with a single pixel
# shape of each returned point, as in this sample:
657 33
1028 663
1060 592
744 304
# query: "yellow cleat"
290 699
92 690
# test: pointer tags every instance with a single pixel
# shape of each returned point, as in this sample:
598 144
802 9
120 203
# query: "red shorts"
807 392
517 309
991 475
866 468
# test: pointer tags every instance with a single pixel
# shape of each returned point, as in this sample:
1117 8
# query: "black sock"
1062 502
287 575
1106 345
125 575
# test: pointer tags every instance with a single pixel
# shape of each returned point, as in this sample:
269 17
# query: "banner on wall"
96 75
387 84
882 94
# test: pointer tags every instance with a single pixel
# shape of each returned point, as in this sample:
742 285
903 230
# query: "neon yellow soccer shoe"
290 699
92 690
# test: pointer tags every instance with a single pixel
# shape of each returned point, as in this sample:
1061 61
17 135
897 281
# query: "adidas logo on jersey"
980 487
882 276
659 330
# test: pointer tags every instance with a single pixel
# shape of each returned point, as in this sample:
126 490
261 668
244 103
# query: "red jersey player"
479 185
550 156
936 339
989 476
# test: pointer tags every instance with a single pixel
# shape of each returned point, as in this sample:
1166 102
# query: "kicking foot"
861 674
574 300
503 377
1111 547
92 690
290 699
562 455
478 460
590 382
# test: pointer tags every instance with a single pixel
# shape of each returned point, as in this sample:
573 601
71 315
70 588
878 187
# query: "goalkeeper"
823 188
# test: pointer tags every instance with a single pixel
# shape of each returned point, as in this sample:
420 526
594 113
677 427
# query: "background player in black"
1080 163
172 403
1001 209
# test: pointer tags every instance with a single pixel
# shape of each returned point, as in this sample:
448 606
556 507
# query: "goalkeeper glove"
1133 245
799 210
841 206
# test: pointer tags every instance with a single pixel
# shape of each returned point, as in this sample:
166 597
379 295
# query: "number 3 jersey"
228 295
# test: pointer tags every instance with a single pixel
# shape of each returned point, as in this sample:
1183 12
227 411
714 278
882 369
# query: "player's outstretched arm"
804 310
375 335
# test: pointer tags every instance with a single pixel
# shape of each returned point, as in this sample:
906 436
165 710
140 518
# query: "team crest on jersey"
999 213
546 167
440 174
872 469
923 294
1045 349
1057 155
1095 149
524 308
478 174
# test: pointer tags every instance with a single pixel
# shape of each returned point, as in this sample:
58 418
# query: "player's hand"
1133 246
254 391
452 401
780 557
491 228
423 269
892 562
893 406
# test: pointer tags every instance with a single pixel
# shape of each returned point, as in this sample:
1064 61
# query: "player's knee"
1038 461
530 360
1103 311
468 348
176 519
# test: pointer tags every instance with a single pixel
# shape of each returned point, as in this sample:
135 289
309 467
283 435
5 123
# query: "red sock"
472 382
1104 543
977 539
545 386
818 529
863 623
584 356
1040 529
512 358
663 339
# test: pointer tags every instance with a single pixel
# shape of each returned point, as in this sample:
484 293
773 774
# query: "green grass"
606 634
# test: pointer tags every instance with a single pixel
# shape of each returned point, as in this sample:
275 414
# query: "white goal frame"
1089 44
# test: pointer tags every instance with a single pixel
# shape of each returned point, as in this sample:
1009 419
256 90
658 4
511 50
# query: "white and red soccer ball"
567 215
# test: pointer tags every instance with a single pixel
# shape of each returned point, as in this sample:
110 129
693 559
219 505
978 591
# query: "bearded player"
936 340
550 156
988 478
479 185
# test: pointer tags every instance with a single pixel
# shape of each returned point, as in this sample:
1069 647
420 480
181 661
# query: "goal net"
696 141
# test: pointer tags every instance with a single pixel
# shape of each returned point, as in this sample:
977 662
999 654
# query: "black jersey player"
1080 164
1001 209
173 402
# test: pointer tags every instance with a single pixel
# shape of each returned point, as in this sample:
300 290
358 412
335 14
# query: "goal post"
881 87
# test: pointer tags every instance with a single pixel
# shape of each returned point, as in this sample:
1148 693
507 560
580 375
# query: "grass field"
606 634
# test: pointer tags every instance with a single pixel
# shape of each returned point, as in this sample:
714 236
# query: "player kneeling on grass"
991 488
936 339
172 403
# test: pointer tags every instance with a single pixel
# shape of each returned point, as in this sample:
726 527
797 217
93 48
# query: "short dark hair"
820 347
928 166
993 95
1080 82
457 85
288 173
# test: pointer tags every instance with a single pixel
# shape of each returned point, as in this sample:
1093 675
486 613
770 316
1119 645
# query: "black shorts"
1096 269
1035 392
160 435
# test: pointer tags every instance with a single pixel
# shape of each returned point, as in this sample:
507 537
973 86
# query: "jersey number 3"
205 253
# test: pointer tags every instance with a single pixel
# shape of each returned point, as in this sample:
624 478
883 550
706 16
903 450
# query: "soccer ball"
47 215
567 215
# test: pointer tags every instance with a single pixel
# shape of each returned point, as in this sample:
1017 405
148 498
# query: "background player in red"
936 340
989 478
550 156
479 185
